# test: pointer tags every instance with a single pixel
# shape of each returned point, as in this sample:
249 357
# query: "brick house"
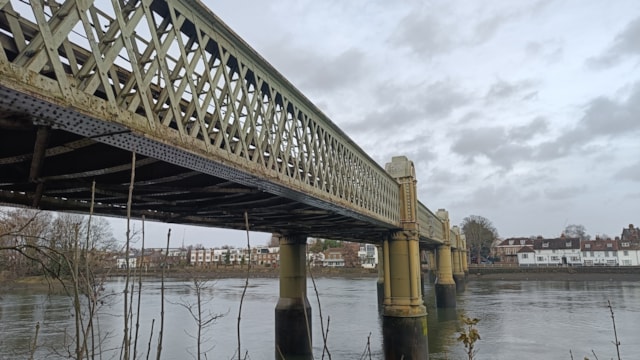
507 250
629 247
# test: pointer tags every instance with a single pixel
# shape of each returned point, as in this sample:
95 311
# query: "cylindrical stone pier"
458 273
404 321
445 285
293 312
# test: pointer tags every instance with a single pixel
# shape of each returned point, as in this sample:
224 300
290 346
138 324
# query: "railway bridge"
164 95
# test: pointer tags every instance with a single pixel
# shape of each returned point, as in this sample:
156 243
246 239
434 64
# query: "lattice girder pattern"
144 75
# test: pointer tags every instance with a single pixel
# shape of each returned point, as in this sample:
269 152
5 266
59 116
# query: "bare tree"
204 319
480 234
576 231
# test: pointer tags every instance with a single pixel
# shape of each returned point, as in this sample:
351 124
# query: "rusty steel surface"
216 129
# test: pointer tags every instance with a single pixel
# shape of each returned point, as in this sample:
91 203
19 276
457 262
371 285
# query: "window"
591 253
626 253
525 256
540 258
568 244
545 244
609 245
553 251
584 253
625 244
587 246
614 253
606 254
555 258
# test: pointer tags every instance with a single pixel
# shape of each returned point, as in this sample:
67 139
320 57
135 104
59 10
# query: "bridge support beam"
293 312
445 285
458 272
404 316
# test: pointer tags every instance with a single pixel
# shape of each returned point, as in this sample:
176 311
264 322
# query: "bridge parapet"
169 80
431 227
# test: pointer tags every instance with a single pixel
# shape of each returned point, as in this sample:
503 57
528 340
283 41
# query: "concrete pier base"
446 295
461 282
293 324
293 311
380 288
405 338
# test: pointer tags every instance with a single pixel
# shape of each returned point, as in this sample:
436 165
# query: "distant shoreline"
556 273
39 283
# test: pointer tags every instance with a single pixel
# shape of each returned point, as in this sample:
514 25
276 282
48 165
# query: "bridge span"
217 132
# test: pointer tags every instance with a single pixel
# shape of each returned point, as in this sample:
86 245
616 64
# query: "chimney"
630 226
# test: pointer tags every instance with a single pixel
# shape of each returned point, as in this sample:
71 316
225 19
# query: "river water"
518 320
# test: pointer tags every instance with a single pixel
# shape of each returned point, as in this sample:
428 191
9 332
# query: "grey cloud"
503 148
441 98
550 51
539 125
624 45
485 29
479 141
566 192
314 72
441 176
429 35
385 119
491 143
631 173
409 105
502 90
603 118
346 68
472 115
424 34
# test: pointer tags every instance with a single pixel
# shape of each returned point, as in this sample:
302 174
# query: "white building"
121 262
526 256
368 256
629 253
557 252
600 252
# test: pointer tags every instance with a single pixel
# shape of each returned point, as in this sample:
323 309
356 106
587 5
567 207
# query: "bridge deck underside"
53 169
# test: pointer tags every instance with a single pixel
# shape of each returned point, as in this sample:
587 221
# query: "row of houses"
621 251
349 255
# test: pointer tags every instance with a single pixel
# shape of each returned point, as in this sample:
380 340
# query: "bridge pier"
464 256
445 285
458 272
293 311
404 316
404 321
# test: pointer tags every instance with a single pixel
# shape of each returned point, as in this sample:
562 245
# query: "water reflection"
517 319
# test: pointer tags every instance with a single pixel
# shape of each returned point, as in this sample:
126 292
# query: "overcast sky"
524 112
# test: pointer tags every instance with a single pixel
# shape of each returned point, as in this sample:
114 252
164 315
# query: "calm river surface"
519 320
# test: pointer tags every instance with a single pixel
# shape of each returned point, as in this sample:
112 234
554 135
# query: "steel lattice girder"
169 80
